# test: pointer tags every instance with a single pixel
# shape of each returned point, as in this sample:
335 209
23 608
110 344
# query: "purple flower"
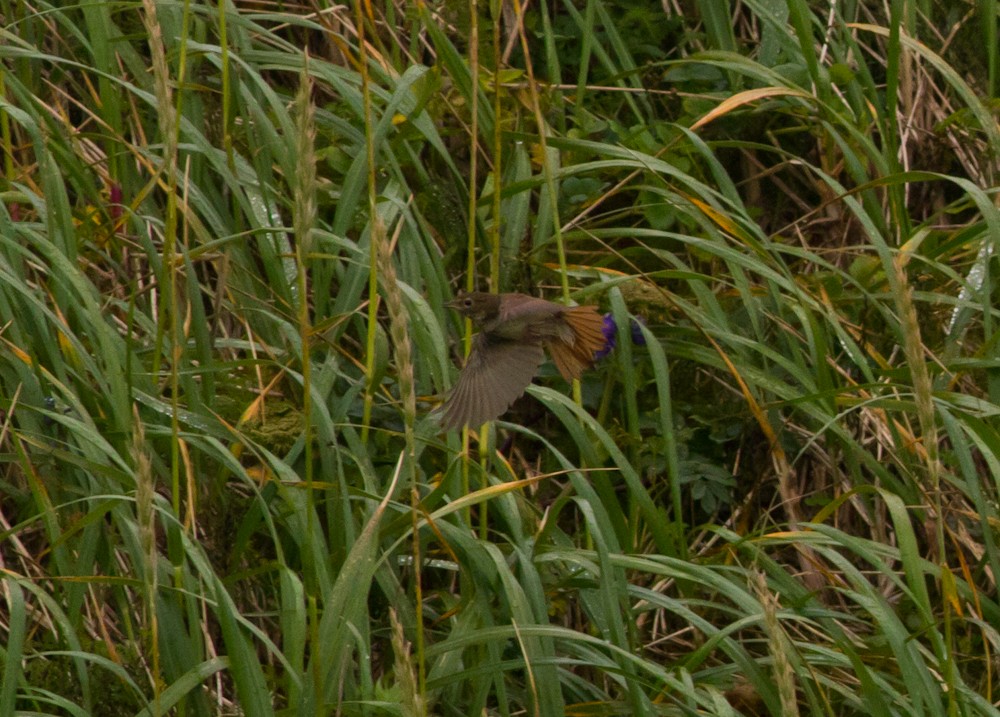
610 331
638 338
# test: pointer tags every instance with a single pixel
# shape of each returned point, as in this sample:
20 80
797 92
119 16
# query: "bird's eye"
467 303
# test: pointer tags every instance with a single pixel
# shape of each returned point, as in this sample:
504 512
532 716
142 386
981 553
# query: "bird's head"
477 305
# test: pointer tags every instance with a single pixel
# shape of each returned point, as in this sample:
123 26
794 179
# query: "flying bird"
514 332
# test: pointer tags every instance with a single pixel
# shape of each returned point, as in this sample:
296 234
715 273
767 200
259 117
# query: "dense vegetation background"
226 234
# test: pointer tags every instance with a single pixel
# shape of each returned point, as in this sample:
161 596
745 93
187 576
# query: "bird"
514 332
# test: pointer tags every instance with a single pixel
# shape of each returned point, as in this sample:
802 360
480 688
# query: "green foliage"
226 236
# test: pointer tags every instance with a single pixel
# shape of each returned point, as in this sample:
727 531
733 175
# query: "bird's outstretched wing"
495 375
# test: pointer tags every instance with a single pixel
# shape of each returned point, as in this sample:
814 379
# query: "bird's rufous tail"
574 353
